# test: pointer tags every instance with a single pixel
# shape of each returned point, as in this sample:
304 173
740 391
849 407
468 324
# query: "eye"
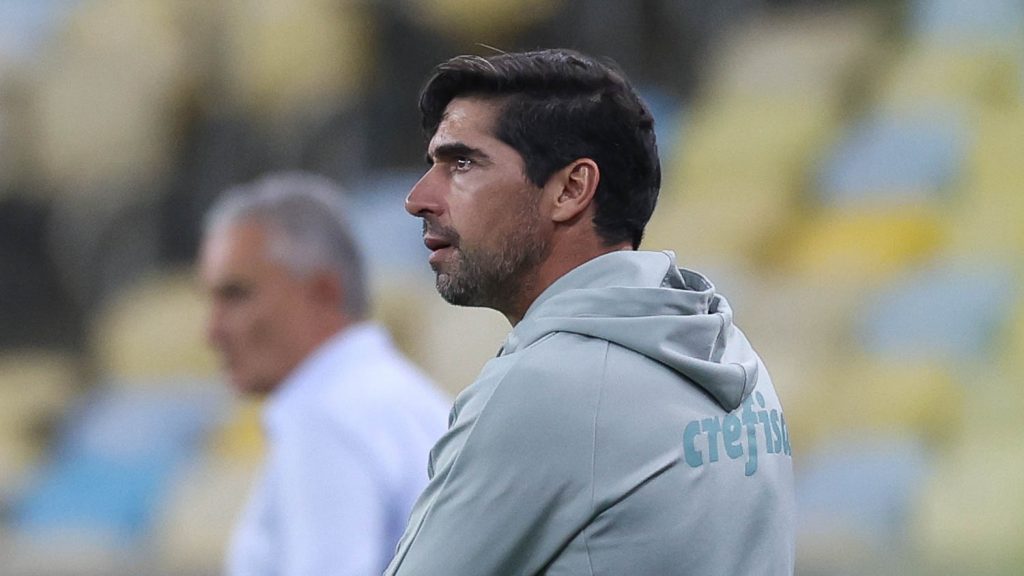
462 164
233 292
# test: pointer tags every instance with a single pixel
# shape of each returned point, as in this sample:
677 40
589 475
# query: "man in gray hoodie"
626 427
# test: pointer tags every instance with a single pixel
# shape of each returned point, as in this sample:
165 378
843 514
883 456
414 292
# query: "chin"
250 388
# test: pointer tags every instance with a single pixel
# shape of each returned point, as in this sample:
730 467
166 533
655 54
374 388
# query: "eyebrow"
453 150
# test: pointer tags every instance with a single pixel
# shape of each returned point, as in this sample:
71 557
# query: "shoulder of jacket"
552 379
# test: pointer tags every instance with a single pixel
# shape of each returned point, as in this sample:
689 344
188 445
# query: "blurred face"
257 308
480 213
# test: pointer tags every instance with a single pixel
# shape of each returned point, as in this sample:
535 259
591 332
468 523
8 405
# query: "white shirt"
349 433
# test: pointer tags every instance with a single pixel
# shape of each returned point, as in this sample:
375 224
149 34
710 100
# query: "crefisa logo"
739 433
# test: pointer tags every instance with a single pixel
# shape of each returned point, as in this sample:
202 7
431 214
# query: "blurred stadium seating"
848 171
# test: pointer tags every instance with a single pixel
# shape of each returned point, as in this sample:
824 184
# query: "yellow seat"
924 74
36 388
916 398
731 223
154 329
920 399
863 245
989 211
105 95
792 55
1012 351
422 325
193 523
104 103
800 328
481 333
736 179
971 514
35 384
756 141
289 61
192 527
400 300
471 20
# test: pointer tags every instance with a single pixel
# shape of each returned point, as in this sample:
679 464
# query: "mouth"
435 243
438 247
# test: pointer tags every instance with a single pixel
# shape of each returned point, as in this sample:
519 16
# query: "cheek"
248 328
261 349
478 217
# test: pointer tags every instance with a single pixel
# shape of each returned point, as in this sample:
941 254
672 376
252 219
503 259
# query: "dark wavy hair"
558 106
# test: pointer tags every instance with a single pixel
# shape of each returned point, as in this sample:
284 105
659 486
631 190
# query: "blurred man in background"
349 421
626 426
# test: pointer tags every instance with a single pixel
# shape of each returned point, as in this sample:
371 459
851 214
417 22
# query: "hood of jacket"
644 302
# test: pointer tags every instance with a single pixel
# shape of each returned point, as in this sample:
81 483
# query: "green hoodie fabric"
626 427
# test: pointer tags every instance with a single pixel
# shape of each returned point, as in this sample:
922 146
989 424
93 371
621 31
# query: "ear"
573 188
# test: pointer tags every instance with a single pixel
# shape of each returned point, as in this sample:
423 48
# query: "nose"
425 196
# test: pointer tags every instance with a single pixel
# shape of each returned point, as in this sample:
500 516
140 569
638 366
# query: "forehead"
235 246
467 117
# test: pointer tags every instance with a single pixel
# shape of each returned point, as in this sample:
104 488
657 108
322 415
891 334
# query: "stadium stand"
849 172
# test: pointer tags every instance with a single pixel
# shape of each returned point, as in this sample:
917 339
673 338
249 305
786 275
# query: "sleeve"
332 505
513 483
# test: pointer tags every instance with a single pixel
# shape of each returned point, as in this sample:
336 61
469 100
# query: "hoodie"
626 427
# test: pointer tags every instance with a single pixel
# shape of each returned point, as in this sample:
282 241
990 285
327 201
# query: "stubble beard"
494 278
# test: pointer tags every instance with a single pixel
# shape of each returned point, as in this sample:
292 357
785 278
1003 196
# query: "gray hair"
309 231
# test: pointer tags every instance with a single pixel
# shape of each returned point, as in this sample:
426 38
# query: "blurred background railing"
850 172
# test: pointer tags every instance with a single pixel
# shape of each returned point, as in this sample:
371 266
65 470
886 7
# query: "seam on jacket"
719 344
719 348
593 456
747 381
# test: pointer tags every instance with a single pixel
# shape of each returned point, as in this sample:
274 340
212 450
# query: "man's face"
257 308
480 213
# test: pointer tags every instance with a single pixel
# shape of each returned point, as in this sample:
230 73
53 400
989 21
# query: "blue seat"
895 158
26 25
953 312
975 22
91 493
859 490
114 459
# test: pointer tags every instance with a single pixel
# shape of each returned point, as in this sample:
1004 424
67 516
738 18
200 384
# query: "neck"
325 327
565 257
